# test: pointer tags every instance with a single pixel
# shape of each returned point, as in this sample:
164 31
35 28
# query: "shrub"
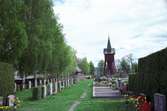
36 93
6 79
152 75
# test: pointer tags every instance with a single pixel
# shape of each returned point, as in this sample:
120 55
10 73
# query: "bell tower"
109 63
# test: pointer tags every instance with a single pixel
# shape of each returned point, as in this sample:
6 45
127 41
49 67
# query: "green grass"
59 102
63 100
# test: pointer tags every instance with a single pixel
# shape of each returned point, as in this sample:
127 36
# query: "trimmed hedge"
6 79
152 75
37 93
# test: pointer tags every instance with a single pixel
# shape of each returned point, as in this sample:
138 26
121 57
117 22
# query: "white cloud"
135 26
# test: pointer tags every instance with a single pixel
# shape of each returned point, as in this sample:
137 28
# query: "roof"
108 44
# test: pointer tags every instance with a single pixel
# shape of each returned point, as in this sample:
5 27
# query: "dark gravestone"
159 102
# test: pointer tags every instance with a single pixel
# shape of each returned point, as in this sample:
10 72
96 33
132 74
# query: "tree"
13 37
101 67
84 65
134 67
130 61
124 65
33 40
92 68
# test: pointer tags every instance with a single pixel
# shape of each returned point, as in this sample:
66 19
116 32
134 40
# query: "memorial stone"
1 100
59 85
44 91
159 102
11 100
29 84
68 83
15 87
51 88
55 87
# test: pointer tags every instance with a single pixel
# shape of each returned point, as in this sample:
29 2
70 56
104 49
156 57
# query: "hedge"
152 74
37 93
6 79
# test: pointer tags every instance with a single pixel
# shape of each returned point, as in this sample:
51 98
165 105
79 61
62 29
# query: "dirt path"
74 105
77 102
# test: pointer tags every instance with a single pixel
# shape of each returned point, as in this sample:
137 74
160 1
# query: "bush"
152 75
6 79
37 93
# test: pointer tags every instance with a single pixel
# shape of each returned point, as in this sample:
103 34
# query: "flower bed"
13 104
140 102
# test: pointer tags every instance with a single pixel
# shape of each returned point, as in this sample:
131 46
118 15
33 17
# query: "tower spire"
108 44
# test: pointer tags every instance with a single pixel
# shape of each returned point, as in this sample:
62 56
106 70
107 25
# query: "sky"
137 27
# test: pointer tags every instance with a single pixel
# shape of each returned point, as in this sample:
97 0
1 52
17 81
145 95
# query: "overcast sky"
138 27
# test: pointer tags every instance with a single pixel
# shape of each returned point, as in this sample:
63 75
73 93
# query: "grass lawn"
59 102
63 100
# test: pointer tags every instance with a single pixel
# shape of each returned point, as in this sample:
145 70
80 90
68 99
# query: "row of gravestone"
22 85
52 87
47 89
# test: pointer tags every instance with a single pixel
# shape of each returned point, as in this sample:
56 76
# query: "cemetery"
142 91
41 71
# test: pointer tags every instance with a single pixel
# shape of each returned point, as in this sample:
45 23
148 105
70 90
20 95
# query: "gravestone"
68 83
36 82
72 81
51 88
59 85
63 84
48 89
29 84
1 101
23 83
11 100
44 91
15 87
40 82
56 87
159 102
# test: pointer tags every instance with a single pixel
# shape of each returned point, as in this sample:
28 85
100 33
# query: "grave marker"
11 100
29 84
159 102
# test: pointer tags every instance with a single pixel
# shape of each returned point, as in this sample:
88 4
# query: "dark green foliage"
92 68
152 75
132 82
13 37
6 79
84 65
31 38
37 93
124 65
100 67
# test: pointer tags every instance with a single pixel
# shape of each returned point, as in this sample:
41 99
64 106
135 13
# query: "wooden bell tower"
109 63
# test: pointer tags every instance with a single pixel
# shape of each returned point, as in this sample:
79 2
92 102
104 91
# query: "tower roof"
108 44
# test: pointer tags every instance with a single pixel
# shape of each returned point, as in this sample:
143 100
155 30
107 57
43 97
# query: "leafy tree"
101 67
92 68
13 37
134 67
124 65
33 39
84 65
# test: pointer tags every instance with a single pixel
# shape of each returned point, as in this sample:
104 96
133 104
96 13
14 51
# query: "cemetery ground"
63 100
